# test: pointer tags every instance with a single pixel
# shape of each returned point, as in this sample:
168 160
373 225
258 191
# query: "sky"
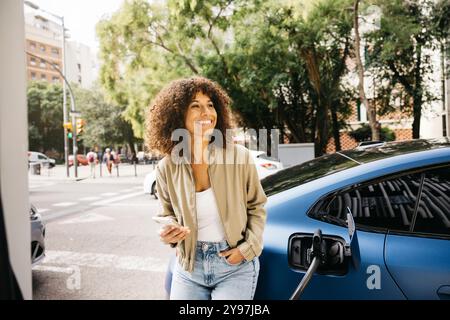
80 16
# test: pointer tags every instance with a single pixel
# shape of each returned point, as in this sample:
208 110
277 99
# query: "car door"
419 260
383 204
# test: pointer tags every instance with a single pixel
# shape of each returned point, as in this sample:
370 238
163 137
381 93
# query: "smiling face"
201 116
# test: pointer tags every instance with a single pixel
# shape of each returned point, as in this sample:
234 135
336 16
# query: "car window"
41 157
433 215
329 164
384 204
305 172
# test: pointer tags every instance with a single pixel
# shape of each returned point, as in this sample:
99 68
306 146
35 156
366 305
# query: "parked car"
81 159
265 166
150 184
37 236
398 195
37 157
370 144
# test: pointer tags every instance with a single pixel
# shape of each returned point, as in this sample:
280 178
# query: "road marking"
89 198
34 185
64 204
102 260
126 196
87 207
107 194
52 269
39 210
87 218
128 204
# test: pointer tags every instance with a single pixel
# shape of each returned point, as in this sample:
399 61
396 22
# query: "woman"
211 191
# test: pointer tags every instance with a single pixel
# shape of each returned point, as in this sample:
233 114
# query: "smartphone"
165 221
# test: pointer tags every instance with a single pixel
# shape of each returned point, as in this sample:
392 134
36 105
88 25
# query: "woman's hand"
233 256
173 234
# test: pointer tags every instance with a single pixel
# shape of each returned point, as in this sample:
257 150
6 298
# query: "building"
43 44
80 64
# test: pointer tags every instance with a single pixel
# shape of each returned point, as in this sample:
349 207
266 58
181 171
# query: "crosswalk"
109 199
102 260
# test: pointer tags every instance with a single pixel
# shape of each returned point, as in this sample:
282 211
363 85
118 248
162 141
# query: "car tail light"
269 166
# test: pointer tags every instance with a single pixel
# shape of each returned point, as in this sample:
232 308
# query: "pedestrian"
109 160
215 201
92 158
133 158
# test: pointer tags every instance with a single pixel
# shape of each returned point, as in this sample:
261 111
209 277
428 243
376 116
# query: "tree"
400 51
322 43
45 118
139 54
105 125
257 50
371 110
364 133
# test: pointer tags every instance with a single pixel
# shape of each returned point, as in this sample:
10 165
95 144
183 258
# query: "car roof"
367 162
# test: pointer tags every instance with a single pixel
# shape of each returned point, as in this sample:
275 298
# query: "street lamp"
65 116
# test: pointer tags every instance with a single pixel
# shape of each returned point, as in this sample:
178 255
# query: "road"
101 242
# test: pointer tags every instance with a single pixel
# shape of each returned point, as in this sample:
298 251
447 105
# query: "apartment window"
55 79
42 48
33 76
43 77
32 61
55 51
43 64
32 46
444 125
79 67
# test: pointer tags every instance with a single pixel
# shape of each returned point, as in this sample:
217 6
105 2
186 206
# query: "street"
101 242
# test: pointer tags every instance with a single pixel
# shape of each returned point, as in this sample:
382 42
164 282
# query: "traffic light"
80 126
69 128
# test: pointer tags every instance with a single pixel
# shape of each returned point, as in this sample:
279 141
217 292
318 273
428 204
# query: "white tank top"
210 226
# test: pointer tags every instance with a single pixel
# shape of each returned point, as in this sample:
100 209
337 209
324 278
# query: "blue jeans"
214 277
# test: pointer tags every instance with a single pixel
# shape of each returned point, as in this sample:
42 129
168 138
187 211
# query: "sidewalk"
126 174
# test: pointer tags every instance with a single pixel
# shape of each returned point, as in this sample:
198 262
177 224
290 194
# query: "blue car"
383 217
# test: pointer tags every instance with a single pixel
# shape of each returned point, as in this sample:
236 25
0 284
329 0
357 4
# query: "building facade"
44 53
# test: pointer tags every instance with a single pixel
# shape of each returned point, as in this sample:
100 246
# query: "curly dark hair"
168 110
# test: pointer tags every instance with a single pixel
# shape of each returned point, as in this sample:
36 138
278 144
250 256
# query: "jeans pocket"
231 264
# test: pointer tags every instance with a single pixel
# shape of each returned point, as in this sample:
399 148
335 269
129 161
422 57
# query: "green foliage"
45 118
257 50
282 62
364 133
105 125
401 49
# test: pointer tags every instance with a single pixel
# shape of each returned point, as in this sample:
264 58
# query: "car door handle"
444 292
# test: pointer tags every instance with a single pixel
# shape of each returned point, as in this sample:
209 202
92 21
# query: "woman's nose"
205 110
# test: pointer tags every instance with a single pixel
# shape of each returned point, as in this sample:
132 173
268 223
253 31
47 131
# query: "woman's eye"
211 105
194 105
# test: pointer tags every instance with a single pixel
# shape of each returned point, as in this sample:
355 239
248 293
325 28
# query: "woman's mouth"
204 122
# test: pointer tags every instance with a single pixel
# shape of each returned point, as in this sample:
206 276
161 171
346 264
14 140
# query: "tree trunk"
335 124
417 112
371 110
418 95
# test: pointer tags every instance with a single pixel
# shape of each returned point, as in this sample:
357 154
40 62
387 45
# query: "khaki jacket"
239 195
